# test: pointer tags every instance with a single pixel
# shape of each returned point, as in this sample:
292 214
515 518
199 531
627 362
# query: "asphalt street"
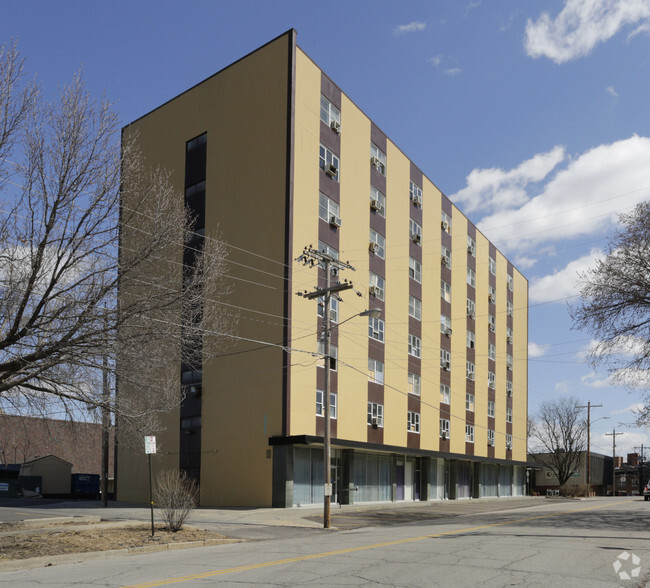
595 542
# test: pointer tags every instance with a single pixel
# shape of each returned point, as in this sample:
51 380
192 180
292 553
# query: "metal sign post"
149 449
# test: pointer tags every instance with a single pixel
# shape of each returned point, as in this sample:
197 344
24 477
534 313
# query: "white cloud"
632 409
611 91
580 26
535 350
562 283
437 62
496 189
582 199
453 71
412 27
562 387
593 381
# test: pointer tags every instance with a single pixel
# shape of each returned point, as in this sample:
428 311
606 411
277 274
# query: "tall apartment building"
427 402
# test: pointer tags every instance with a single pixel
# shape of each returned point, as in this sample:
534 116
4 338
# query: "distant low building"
601 474
56 474
23 439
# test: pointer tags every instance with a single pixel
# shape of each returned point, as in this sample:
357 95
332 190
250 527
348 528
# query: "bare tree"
559 435
615 305
68 240
175 496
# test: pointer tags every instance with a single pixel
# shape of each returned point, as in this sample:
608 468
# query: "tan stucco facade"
262 119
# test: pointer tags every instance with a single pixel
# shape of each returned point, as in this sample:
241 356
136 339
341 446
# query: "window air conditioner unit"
374 162
471 314
374 247
331 170
470 249
508 445
491 385
336 127
445 366
491 326
491 442
444 225
372 290
335 221
447 331
509 366
375 204
445 436
445 261
417 200
471 377
509 392
490 297
509 338
415 237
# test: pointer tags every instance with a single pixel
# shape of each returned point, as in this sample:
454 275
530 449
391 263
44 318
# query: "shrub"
175 496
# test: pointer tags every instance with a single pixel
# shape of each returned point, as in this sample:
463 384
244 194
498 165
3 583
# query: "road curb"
73 558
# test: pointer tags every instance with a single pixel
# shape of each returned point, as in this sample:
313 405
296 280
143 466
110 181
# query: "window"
380 243
509 308
492 293
469 401
510 283
376 286
492 351
329 163
415 346
334 352
415 270
491 437
376 329
415 308
327 250
327 208
444 428
491 322
471 246
445 222
471 339
491 380
491 408
471 277
508 441
413 422
470 370
377 159
445 256
492 266
320 409
508 360
334 308
509 334
445 393
328 112
445 359
414 384
508 388
445 291
375 414
415 233
445 325
376 371
469 433
377 201
508 414
471 308
415 193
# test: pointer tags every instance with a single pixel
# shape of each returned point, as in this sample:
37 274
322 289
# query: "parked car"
646 492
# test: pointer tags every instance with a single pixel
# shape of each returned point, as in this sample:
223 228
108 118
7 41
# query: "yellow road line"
351 549
35 514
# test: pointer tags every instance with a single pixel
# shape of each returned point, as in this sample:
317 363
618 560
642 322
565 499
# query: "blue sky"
531 116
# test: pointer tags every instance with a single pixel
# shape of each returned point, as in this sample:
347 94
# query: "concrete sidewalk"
229 519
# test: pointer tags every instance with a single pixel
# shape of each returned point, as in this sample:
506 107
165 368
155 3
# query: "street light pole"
613 434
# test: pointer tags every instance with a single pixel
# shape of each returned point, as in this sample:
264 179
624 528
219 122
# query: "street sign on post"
149 449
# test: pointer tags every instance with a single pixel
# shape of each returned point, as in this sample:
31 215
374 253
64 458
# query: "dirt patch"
18 541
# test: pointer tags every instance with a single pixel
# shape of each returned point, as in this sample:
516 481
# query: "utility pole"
589 407
312 257
106 422
641 470
613 435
